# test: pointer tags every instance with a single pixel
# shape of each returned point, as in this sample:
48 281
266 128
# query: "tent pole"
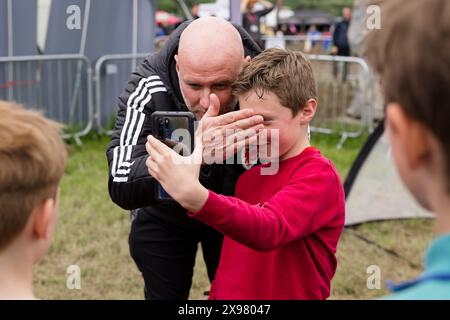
153 8
185 9
85 26
10 46
134 33
74 98
10 28
235 12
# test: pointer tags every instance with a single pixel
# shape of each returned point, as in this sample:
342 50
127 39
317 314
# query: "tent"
373 187
305 18
17 38
18 27
106 27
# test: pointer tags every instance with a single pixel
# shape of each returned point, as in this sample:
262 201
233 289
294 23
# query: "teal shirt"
437 264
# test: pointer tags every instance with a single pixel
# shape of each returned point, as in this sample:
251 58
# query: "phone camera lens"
160 128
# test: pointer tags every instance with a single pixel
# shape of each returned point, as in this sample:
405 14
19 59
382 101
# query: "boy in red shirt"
281 231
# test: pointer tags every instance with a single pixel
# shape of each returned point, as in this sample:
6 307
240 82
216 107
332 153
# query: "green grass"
342 158
92 233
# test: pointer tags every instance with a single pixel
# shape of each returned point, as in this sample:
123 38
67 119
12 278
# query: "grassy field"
93 233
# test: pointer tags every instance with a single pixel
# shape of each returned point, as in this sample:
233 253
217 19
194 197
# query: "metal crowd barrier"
344 107
343 96
58 85
111 75
312 44
347 91
62 87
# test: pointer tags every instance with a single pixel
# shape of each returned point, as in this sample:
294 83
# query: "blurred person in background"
340 40
251 17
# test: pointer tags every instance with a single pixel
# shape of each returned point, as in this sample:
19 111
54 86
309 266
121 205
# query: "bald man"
192 72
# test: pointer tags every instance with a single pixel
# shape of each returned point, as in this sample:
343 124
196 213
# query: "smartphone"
175 129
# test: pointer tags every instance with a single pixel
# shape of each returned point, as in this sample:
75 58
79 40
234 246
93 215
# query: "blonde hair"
32 161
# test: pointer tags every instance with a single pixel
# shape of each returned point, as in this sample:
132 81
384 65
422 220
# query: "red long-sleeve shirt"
281 231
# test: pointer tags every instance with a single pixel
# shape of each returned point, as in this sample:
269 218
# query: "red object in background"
18 83
166 18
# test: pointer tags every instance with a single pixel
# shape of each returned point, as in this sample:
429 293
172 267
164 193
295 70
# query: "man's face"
250 5
198 81
347 13
195 10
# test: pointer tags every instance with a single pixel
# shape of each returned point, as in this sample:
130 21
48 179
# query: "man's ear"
176 63
247 60
44 219
308 111
407 135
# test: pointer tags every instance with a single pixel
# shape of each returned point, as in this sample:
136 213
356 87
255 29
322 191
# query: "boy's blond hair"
287 74
412 56
32 160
